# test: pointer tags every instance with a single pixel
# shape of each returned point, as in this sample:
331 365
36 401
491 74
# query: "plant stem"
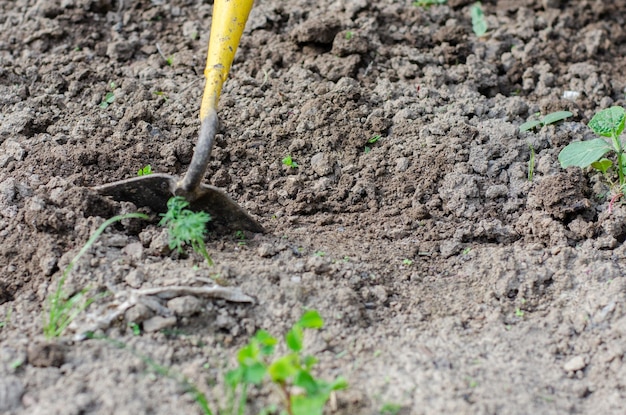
620 158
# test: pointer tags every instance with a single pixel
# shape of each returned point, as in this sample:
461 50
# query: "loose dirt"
449 282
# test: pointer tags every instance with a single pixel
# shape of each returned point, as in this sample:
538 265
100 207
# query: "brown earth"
449 282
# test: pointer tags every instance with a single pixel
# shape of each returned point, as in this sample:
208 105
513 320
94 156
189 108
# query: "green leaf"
304 380
308 405
603 165
254 373
608 122
281 369
295 338
309 361
339 383
529 125
234 377
583 153
311 320
555 116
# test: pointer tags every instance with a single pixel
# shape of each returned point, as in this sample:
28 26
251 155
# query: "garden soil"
454 275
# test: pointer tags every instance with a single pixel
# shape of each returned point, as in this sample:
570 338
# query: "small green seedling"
320 254
606 123
186 227
479 24
390 408
289 162
169 61
7 319
519 312
428 3
371 141
63 309
135 329
303 394
547 120
407 262
241 237
109 97
349 35
161 94
144 171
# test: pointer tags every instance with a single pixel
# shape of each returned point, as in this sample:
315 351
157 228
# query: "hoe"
154 190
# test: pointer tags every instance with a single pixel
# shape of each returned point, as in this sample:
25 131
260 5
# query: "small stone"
402 164
138 313
318 265
135 278
185 306
157 323
161 243
11 391
321 164
133 250
575 364
380 293
266 250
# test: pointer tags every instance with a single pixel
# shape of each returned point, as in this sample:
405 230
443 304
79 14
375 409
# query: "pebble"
135 278
185 306
575 364
157 323
266 250
134 250
321 164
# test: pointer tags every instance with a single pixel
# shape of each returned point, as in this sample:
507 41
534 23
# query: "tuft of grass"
62 310
186 227
428 3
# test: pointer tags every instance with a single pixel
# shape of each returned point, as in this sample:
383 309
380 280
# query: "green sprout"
390 408
288 161
349 35
547 120
135 328
606 123
303 394
371 141
186 227
320 254
519 312
479 24
161 94
63 309
241 236
428 3
407 262
144 171
169 61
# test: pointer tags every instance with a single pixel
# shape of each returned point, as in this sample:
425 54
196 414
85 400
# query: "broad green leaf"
311 320
281 369
529 125
603 165
248 354
295 338
254 373
308 405
583 153
555 116
304 380
609 121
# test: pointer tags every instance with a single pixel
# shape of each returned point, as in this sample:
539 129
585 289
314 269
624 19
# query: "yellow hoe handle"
229 20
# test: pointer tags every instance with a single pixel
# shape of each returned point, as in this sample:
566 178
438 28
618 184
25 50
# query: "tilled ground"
449 281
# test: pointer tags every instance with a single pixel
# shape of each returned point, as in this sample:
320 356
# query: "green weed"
607 123
407 262
479 24
547 120
370 141
109 97
144 171
63 309
289 162
186 227
349 35
303 394
428 3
